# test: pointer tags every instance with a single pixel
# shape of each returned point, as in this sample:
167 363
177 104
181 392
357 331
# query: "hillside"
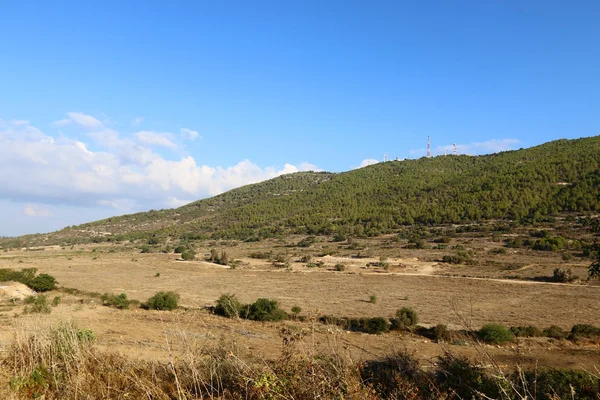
524 185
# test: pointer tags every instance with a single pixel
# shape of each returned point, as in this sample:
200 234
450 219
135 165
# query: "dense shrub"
397 376
340 267
495 334
188 255
584 330
265 310
465 380
563 276
162 301
549 244
373 326
228 306
441 333
526 331
116 301
339 237
560 384
26 276
406 318
461 257
179 249
42 283
443 239
555 332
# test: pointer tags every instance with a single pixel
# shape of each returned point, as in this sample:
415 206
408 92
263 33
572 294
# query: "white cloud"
189 134
77 118
367 162
32 210
304 166
155 139
137 121
116 173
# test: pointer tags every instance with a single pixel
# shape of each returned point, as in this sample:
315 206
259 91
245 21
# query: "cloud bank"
123 173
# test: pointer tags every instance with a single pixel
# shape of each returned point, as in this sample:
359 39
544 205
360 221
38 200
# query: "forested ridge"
525 185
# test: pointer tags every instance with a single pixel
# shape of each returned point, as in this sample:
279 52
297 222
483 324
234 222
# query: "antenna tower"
454 150
385 157
428 147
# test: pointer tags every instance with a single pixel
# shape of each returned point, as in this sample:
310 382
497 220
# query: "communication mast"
428 147
454 150
385 157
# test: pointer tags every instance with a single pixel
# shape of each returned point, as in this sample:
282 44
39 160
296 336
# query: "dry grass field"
499 289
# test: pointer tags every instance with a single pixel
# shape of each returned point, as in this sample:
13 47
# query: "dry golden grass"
414 278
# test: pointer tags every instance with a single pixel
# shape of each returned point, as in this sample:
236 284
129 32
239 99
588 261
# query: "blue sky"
110 107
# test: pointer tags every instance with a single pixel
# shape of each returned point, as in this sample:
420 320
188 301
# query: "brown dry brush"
63 363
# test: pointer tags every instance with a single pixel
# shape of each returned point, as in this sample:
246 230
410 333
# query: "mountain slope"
524 185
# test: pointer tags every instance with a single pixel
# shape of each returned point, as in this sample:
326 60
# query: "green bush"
495 334
584 330
188 255
26 276
116 301
265 310
340 267
562 384
179 249
339 237
406 318
37 305
228 306
162 301
459 376
377 325
373 326
42 283
526 331
555 332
